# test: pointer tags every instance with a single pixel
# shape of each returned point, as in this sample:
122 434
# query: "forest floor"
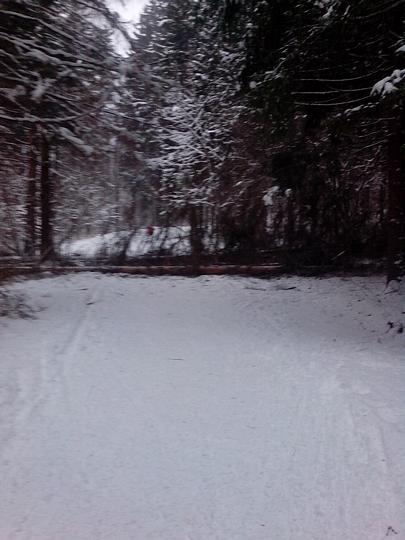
212 408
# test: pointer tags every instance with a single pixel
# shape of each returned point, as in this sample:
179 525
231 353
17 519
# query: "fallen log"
217 270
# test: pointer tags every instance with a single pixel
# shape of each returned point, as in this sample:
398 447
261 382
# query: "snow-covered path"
203 409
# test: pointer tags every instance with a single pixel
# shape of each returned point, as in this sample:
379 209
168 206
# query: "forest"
268 130
202 255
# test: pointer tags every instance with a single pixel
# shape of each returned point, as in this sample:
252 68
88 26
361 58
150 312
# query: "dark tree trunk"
47 246
396 202
195 238
291 214
30 240
396 173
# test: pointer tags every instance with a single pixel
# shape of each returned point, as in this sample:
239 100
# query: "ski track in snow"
203 409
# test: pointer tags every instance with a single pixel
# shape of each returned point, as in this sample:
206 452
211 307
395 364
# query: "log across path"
152 270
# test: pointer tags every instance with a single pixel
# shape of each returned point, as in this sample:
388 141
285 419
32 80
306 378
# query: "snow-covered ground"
203 409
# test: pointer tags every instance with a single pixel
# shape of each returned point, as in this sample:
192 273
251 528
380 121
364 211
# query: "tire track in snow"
53 367
71 345
328 459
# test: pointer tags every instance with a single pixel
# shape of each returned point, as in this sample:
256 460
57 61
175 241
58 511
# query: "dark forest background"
264 128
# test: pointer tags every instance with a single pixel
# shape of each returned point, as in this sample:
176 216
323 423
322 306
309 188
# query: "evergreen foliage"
271 125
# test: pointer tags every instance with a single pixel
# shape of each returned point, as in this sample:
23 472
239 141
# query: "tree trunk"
47 246
396 173
290 226
195 238
395 214
30 208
